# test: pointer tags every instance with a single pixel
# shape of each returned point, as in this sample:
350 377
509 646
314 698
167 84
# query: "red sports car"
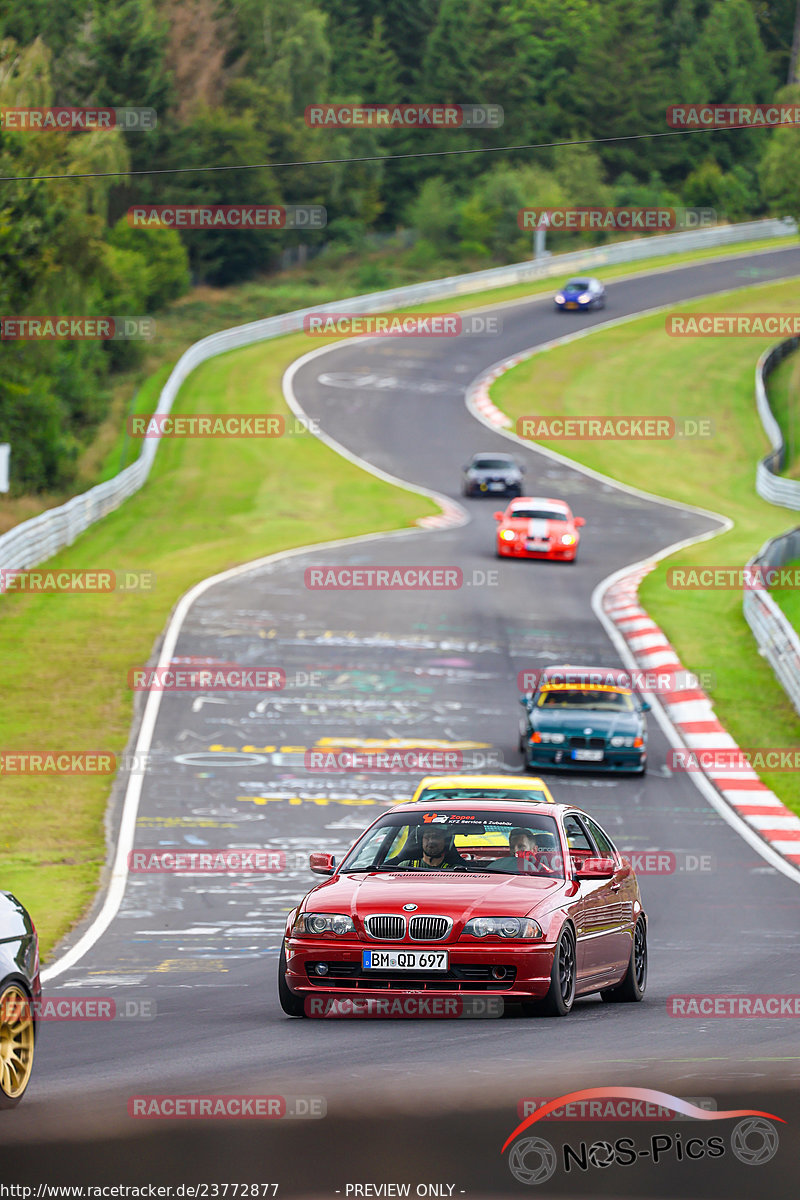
534 527
425 904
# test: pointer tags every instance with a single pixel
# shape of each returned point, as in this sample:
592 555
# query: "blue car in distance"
580 294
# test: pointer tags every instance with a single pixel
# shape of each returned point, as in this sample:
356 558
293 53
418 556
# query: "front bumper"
475 488
558 758
527 969
518 550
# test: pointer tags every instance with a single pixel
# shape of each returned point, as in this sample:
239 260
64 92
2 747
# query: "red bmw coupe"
535 527
529 901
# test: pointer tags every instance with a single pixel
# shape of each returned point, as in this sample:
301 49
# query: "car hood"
605 724
460 895
539 527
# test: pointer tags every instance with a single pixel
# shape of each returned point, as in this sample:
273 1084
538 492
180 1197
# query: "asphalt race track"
229 770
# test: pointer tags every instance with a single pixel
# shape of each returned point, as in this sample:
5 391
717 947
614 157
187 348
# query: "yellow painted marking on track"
191 964
322 800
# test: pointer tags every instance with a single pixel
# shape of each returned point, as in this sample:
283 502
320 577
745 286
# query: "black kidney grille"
429 929
387 929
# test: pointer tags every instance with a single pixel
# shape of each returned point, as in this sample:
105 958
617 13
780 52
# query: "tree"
780 165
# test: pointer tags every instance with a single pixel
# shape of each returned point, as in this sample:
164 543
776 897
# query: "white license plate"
537 545
404 960
587 755
497 487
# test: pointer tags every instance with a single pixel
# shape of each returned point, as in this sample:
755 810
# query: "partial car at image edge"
20 993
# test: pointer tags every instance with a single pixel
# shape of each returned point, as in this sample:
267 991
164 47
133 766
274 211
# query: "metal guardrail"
36 540
769 485
777 639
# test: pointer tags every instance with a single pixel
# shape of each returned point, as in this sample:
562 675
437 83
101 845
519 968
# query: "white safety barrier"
34 541
777 639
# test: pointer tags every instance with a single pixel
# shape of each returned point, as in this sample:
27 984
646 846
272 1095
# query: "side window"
602 840
577 839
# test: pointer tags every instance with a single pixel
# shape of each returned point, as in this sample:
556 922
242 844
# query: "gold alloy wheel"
16 1044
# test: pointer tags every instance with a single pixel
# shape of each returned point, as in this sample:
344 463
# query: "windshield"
511 843
603 698
493 464
497 793
577 285
538 514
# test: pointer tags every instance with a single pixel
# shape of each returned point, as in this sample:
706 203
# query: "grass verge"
208 505
692 378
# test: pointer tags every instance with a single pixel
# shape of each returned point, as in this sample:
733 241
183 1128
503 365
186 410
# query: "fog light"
321 968
499 972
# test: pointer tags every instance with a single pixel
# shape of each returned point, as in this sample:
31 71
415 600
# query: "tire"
292 1005
17 1038
561 993
633 986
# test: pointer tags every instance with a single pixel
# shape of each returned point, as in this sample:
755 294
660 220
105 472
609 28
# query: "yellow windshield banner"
584 687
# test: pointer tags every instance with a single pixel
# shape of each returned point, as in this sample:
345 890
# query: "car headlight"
584 296
567 539
505 927
507 535
555 738
625 741
319 924
559 298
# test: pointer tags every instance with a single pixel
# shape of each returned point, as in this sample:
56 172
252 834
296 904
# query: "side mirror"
645 706
498 516
322 864
595 868
578 522
523 470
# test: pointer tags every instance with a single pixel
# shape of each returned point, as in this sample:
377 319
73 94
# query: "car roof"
543 500
493 454
536 807
487 781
